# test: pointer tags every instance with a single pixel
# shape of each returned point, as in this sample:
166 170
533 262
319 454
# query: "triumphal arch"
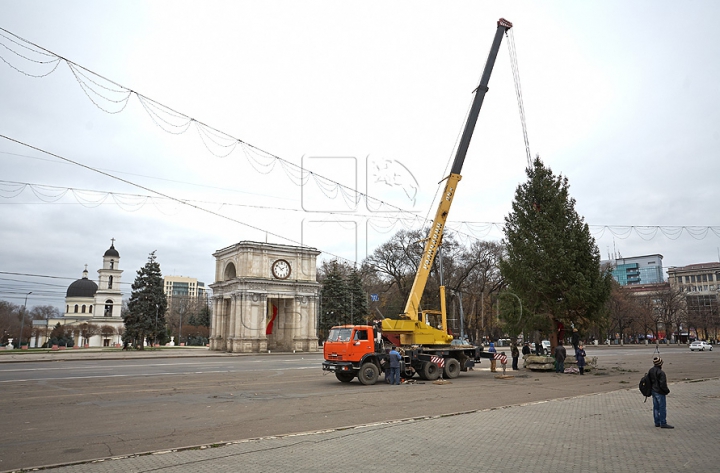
265 298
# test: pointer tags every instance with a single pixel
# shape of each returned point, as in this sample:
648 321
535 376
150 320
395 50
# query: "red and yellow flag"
274 311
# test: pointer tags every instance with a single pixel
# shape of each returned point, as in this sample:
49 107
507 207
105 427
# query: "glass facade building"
183 286
638 270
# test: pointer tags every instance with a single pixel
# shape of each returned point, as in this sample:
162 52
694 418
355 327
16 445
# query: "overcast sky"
621 97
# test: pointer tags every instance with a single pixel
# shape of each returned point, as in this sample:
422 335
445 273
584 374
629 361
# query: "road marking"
97 366
297 368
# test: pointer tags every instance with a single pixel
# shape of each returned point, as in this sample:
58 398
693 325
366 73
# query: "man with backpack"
660 389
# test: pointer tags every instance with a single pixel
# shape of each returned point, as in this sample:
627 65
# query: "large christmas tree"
552 261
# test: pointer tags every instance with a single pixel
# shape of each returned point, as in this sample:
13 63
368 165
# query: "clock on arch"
281 269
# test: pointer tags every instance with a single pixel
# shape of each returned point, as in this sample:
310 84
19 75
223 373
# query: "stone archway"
265 298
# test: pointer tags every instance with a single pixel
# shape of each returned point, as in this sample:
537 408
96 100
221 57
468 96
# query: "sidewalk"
600 432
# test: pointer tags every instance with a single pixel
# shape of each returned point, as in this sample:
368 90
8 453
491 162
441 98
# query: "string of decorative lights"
97 87
382 223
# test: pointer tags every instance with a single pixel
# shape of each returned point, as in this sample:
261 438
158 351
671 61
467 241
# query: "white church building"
92 310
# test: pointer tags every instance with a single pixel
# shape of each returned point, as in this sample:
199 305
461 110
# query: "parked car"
545 348
700 346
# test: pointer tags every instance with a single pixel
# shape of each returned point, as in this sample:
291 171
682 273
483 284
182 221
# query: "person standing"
560 355
515 355
526 350
580 357
538 349
394 366
493 363
659 391
575 339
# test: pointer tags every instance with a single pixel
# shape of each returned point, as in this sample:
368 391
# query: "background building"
186 299
700 284
183 286
637 270
697 278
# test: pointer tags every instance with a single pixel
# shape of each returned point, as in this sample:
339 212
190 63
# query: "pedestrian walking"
394 366
580 357
659 391
515 353
560 355
493 363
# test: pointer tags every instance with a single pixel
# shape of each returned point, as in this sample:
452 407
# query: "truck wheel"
452 368
368 374
430 371
344 377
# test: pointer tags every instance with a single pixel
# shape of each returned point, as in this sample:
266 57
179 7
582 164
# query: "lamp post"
156 317
22 319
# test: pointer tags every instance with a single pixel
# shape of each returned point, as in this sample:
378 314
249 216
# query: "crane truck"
427 349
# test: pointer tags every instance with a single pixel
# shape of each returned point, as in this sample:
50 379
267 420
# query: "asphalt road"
63 411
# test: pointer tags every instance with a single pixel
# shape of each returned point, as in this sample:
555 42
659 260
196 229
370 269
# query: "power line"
175 122
174 181
180 201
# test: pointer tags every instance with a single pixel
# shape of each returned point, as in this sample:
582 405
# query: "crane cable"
518 91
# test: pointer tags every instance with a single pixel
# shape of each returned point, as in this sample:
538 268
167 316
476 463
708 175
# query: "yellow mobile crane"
413 329
357 351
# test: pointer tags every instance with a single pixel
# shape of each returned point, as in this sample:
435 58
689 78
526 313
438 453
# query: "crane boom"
411 325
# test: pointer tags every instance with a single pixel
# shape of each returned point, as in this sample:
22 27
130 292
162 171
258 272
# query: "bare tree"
9 321
395 262
87 331
44 312
702 314
107 331
482 283
671 310
621 312
181 309
646 316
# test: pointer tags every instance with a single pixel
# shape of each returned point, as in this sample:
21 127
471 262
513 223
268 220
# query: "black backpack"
646 386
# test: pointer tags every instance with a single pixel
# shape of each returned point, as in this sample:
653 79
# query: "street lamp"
156 317
22 319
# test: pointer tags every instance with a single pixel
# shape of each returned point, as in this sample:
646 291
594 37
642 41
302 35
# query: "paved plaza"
601 432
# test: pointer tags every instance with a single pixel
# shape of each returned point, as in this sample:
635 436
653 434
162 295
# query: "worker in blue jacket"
394 366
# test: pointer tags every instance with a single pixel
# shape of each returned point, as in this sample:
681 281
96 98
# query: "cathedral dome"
112 251
82 287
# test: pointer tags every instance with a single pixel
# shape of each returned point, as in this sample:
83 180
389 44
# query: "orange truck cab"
354 350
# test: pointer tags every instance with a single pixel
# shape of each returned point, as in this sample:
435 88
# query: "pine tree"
552 261
202 318
145 317
359 302
334 298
